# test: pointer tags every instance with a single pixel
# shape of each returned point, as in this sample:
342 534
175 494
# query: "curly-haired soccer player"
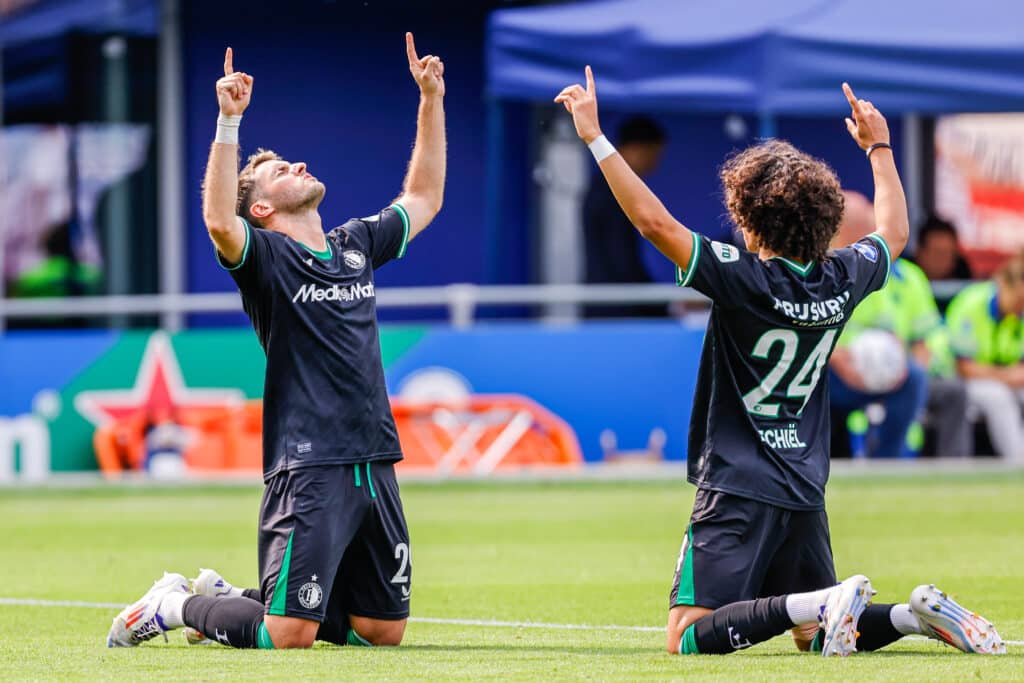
759 434
333 543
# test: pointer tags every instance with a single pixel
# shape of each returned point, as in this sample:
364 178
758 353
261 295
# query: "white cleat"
209 582
944 620
842 610
141 620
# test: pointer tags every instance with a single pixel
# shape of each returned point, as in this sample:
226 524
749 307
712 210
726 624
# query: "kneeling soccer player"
333 542
759 435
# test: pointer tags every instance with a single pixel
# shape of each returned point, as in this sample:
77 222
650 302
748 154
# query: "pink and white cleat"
944 620
141 620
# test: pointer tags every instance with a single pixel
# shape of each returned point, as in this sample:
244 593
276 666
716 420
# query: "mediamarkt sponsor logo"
334 293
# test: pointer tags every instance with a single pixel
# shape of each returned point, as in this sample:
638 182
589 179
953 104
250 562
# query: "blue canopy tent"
736 56
26 28
785 57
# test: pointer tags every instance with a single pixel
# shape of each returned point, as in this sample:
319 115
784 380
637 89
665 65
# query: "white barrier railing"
461 300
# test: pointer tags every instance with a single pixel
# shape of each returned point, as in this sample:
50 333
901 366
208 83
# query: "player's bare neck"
305 227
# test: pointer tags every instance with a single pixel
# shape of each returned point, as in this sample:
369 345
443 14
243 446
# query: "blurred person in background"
906 310
612 244
987 336
938 251
860 375
333 541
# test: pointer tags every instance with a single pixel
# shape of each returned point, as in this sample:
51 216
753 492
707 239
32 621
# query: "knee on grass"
379 632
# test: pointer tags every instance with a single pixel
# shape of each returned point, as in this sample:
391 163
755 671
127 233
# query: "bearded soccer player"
333 543
759 435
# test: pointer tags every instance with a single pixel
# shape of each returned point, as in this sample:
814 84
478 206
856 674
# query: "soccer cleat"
194 637
209 582
944 620
141 620
839 617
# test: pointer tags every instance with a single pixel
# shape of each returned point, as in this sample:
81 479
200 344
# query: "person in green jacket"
987 336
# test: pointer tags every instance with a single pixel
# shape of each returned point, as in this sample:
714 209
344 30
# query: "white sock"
171 608
803 608
904 621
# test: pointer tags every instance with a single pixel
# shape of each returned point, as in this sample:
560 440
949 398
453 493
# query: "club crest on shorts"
354 259
310 595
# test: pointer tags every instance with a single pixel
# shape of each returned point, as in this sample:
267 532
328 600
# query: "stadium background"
544 576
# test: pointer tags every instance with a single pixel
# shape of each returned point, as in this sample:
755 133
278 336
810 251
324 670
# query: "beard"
307 197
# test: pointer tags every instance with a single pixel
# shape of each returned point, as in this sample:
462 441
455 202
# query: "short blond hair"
247 191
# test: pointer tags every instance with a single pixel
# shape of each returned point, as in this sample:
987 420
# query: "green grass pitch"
583 553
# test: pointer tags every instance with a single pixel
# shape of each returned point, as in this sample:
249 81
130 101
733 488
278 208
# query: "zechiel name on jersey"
325 401
760 422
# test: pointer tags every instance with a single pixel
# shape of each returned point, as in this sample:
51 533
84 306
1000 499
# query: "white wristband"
601 148
227 129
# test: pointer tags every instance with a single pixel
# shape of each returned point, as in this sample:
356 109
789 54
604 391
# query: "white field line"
487 623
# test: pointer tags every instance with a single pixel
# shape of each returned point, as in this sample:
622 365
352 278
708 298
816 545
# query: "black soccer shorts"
333 542
740 549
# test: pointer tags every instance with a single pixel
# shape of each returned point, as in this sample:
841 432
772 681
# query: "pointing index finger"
410 48
850 97
590 80
228 68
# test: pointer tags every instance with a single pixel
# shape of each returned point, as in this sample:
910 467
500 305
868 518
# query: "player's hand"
582 104
234 89
865 123
428 71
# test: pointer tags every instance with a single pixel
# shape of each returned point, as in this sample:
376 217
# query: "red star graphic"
158 390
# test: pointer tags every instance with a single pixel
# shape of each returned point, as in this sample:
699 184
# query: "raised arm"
644 210
220 186
423 189
868 128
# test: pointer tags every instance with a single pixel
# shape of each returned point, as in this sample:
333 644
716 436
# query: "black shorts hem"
383 616
299 614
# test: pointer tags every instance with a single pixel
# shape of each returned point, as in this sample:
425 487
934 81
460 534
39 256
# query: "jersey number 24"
803 383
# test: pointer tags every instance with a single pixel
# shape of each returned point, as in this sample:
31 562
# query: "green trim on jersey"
686 592
358 477
324 255
404 215
794 266
888 255
684 279
277 603
245 249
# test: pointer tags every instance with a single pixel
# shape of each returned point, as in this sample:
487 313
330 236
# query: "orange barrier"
227 438
479 434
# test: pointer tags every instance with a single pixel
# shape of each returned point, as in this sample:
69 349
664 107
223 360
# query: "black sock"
252 594
875 628
229 621
332 631
737 626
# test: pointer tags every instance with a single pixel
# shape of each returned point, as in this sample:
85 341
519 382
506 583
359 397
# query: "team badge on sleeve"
868 251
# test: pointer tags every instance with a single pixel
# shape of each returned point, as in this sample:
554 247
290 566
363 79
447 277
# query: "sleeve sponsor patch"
726 253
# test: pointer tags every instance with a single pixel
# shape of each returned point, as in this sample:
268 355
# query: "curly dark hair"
790 201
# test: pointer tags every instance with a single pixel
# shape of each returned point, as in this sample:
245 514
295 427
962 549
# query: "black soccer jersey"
324 398
760 421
